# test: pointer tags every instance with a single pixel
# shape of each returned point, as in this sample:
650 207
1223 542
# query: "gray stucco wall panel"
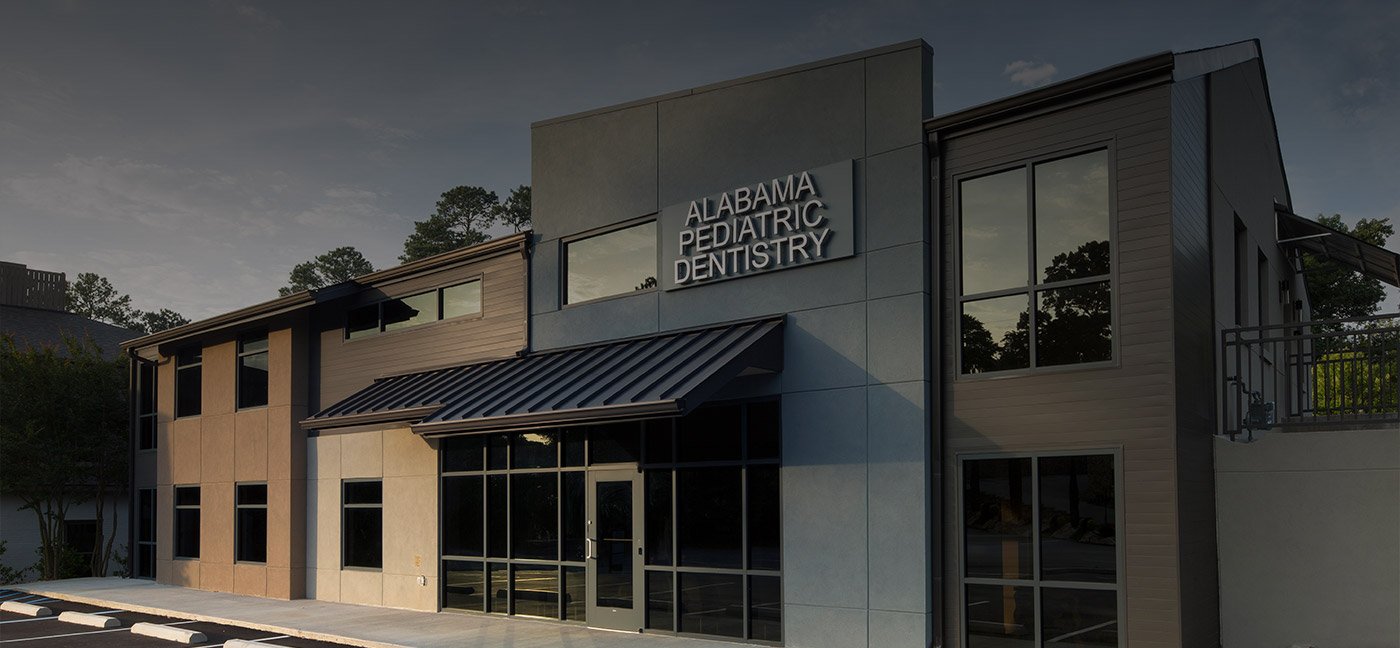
797 289
607 319
824 627
899 629
898 270
893 213
593 172
824 348
894 110
899 453
824 500
897 330
785 124
545 281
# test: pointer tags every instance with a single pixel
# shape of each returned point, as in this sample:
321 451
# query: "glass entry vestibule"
663 525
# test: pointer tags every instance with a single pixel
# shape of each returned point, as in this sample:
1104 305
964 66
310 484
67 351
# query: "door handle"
588 544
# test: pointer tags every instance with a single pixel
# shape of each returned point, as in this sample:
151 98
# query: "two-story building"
789 359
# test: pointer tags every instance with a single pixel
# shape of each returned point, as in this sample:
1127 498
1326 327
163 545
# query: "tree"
157 321
462 217
94 297
514 211
1337 291
64 430
341 264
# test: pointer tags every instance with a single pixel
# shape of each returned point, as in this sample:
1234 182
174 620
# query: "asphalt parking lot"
42 632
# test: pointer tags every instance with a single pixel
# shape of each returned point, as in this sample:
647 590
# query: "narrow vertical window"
146 533
189 377
362 519
252 371
250 523
145 406
186 522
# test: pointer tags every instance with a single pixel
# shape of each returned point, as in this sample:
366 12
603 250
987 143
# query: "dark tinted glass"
251 527
997 518
188 355
536 591
614 263
709 510
496 520
572 454
657 433
661 600
461 299
765 518
765 430
712 604
1000 617
463 585
534 500
710 434
462 515
658 517
146 561
534 450
995 334
496 448
187 496
410 311
498 588
80 536
1071 217
147 388
364 538
1077 529
575 593
615 544
616 443
994 232
146 516
252 380
253 344
146 428
364 492
462 453
1074 325
361 322
766 608
572 514
1073 617
252 494
187 533
187 386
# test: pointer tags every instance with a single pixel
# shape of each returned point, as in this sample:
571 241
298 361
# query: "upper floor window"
252 370
189 374
1036 257
614 263
457 300
145 405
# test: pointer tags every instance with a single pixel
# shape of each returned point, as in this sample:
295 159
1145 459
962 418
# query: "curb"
94 620
178 635
26 609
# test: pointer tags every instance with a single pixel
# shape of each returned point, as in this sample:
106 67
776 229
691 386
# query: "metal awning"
1311 236
666 374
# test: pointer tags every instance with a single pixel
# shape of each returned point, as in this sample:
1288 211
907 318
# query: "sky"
194 151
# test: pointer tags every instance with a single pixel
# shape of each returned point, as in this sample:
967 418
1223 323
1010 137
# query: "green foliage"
1336 291
64 431
157 321
462 218
9 575
514 211
341 264
94 297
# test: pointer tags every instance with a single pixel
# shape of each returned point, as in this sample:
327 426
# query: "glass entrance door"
615 549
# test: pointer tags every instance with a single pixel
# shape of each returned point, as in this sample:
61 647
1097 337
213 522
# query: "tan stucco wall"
407 464
223 447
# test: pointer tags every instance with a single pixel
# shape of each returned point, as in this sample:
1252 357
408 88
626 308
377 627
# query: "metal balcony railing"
1310 375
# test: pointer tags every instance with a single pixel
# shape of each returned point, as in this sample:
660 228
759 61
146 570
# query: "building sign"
789 221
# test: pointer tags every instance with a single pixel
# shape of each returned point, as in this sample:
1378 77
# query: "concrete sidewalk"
373 627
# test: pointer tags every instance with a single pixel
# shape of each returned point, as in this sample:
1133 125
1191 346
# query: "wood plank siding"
1128 407
349 365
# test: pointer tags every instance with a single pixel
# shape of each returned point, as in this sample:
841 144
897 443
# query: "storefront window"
1040 533
1036 261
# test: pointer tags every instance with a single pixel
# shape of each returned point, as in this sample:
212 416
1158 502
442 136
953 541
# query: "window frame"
177 507
198 366
1032 288
238 507
343 531
438 320
565 242
144 418
144 531
1036 583
240 356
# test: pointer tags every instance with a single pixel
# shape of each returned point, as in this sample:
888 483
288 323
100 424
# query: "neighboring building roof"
306 298
42 327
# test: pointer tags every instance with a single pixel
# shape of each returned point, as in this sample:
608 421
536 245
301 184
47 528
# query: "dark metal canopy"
1311 236
665 374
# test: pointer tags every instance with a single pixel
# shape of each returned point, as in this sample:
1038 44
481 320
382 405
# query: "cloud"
382 133
250 14
1030 73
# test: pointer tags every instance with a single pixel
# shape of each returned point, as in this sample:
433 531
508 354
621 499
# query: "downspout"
527 248
132 403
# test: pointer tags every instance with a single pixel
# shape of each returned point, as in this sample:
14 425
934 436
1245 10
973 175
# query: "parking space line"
55 618
78 634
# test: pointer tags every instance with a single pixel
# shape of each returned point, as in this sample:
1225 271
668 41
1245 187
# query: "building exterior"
790 360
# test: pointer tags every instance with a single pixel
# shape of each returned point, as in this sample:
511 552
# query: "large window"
250 523
362 524
1040 533
252 370
1035 265
145 405
188 379
187 522
615 263
457 300
146 533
